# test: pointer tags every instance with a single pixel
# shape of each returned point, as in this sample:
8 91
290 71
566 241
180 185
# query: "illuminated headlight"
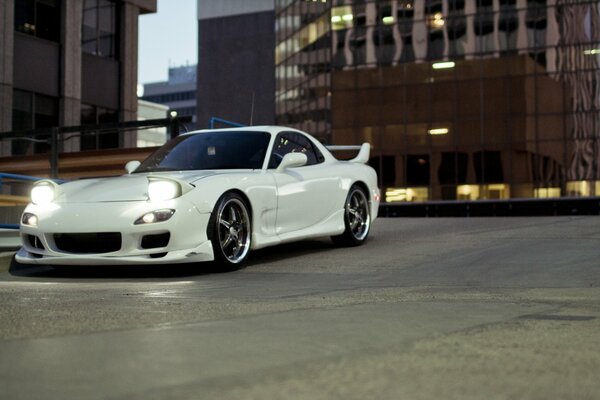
29 219
163 190
42 194
155 216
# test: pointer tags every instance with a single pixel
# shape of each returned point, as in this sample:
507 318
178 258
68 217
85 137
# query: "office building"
178 93
235 61
67 63
461 99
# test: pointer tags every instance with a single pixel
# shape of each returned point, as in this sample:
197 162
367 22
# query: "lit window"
436 21
547 192
341 17
414 194
39 18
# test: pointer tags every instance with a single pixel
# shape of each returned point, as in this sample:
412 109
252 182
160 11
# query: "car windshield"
210 150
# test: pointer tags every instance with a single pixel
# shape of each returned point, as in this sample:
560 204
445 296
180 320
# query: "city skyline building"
461 99
178 93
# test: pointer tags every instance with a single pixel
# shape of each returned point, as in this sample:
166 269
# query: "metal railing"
55 137
217 120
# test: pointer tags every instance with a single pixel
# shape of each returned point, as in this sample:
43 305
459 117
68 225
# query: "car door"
303 193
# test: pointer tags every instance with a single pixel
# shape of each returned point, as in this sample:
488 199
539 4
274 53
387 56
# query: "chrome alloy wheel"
233 229
357 214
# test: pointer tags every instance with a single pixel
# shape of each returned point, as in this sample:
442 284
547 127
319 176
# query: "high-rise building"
461 99
235 61
178 93
68 63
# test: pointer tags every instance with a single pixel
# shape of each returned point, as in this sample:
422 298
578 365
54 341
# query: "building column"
70 103
128 69
6 70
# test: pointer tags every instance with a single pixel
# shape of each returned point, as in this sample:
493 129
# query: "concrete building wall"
209 9
128 70
70 107
6 65
236 76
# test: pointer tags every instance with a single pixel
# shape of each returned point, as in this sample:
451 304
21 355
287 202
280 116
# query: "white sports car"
205 195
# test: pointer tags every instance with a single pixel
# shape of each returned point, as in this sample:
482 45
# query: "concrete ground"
494 308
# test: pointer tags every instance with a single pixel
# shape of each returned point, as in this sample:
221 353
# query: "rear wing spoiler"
364 151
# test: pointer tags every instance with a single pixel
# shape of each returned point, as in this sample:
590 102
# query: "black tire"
357 218
230 231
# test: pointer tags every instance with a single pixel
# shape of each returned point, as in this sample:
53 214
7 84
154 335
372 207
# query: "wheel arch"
209 228
364 187
246 200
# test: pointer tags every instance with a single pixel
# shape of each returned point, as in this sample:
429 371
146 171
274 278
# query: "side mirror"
291 160
132 166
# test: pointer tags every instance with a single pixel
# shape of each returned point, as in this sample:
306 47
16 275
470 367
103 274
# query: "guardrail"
495 208
217 120
9 226
55 136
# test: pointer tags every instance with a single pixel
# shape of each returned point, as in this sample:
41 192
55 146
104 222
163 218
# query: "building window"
417 170
39 18
171 97
100 28
32 111
103 138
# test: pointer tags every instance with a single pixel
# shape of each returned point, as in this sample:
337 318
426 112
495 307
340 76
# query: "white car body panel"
294 204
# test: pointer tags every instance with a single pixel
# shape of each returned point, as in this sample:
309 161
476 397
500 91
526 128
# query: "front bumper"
188 241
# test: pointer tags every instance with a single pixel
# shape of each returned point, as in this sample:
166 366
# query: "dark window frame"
39 18
99 36
37 120
106 139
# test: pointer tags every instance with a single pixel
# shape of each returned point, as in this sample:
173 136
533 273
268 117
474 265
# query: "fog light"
29 219
149 218
155 216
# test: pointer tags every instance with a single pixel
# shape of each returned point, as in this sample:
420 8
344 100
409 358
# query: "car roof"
271 129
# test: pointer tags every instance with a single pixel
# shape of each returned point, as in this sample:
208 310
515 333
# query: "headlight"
155 216
159 190
42 194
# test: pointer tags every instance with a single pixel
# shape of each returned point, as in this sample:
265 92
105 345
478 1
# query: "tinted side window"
293 142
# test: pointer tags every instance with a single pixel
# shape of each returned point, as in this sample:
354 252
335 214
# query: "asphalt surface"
481 308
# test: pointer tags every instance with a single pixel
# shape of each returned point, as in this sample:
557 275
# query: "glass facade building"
461 100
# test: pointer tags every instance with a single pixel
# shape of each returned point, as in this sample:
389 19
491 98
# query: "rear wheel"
357 218
230 232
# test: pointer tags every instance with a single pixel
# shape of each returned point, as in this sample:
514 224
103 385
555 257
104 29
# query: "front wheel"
357 219
230 232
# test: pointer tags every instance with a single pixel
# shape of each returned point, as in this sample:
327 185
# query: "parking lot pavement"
476 308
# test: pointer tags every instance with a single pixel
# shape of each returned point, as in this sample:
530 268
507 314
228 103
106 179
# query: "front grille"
88 243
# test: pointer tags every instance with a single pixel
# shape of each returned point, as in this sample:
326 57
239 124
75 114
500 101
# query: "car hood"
121 188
